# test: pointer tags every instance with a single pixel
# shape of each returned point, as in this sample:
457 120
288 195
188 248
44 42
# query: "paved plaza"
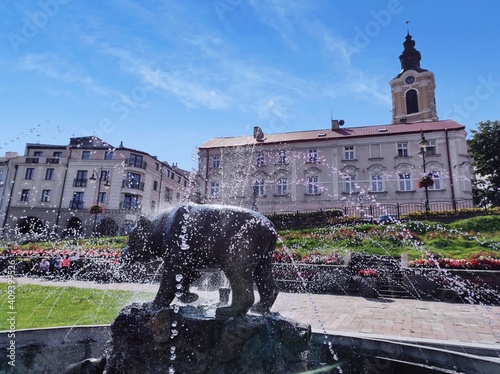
399 319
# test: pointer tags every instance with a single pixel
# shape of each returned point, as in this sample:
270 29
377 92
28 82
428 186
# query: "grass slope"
46 306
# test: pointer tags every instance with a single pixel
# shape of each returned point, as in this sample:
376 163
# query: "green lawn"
462 239
48 306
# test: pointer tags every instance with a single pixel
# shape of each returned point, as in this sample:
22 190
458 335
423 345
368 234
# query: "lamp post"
93 179
423 145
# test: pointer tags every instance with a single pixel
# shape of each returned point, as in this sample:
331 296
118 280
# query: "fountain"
167 335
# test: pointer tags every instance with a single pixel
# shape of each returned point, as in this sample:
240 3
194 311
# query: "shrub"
478 224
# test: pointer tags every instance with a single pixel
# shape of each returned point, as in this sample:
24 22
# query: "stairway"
390 278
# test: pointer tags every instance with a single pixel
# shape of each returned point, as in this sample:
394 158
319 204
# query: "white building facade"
52 188
343 167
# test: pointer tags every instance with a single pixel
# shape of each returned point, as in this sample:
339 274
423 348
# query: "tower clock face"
410 79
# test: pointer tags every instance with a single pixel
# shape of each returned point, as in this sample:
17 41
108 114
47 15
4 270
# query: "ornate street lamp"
96 209
422 153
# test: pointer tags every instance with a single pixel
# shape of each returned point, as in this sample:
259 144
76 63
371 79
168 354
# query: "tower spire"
410 58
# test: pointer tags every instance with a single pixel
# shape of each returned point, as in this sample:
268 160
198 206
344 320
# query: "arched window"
411 102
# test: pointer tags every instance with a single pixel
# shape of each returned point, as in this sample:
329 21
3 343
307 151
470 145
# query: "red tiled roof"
341 133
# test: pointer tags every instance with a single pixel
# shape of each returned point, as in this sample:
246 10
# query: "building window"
153 205
46 195
437 181
312 155
25 195
282 186
216 162
259 188
313 185
377 183
260 159
49 174
411 102
405 182
282 158
105 175
86 155
57 154
402 149
101 197
108 155
349 183
130 202
136 161
430 150
349 153
168 194
134 181
37 153
178 196
155 185
77 202
81 179
30 173
214 189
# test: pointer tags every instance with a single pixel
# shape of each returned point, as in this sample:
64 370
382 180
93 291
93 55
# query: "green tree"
485 151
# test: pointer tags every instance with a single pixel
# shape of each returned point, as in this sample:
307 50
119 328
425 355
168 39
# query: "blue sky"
165 76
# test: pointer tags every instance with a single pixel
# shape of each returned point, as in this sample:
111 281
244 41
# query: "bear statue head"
140 243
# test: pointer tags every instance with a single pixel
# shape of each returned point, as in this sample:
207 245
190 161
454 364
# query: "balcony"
135 163
32 160
133 185
79 182
76 204
130 206
52 161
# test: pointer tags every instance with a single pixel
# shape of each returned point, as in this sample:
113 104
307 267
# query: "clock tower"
413 89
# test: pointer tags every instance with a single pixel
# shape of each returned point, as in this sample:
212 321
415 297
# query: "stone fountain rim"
485 355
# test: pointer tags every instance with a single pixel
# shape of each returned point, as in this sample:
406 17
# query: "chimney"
337 123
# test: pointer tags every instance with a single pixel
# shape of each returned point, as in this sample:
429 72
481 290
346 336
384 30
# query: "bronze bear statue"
193 237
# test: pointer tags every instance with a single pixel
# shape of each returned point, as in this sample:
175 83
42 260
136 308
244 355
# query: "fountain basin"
54 349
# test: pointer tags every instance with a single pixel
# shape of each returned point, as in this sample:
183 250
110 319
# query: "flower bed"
281 256
479 263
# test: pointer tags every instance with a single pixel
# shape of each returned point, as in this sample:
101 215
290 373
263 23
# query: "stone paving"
400 319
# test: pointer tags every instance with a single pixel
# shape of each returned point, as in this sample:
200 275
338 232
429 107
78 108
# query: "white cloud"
53 67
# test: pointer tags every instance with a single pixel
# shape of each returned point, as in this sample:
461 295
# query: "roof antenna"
331 115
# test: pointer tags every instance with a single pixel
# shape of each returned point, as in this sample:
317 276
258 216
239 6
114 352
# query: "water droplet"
176 308
172 357
171 370
172 349
178 294
178 277
184 246
178 286
174 324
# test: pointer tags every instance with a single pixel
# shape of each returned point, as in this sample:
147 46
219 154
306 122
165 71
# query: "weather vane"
407 27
